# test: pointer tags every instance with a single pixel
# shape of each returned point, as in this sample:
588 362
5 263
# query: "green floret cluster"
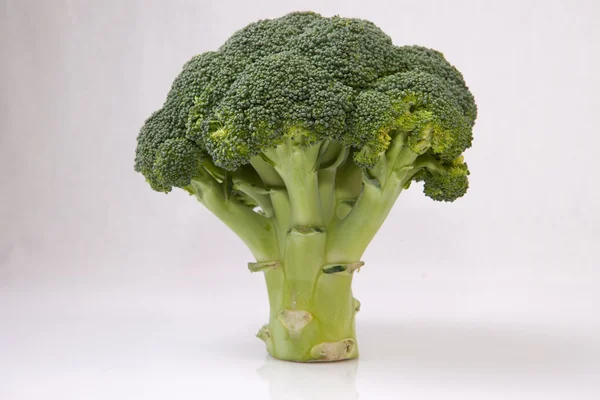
299 133
334 79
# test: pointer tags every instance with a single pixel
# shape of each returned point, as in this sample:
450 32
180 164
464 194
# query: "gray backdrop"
109 290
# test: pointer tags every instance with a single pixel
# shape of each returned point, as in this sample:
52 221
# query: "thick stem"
308 245
312 311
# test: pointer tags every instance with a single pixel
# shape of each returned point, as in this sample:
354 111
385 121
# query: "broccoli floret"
444 182
299 133
176 162
430 111
372 120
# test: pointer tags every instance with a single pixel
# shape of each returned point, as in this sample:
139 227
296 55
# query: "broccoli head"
299 133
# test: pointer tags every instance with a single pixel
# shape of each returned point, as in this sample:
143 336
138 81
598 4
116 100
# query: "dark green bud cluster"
176 162
430 111
446 184
322 78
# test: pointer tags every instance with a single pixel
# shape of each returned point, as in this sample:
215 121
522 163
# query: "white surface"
171 340
110 291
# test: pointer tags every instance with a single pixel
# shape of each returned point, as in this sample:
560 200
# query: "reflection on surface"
314 381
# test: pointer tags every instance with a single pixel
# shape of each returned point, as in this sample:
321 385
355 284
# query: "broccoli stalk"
299 134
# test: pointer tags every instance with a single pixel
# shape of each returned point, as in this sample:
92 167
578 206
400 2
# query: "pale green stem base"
312 307
307 324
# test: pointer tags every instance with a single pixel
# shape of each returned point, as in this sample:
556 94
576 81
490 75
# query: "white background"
111 291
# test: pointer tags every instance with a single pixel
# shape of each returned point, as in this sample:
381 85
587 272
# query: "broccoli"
299 133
